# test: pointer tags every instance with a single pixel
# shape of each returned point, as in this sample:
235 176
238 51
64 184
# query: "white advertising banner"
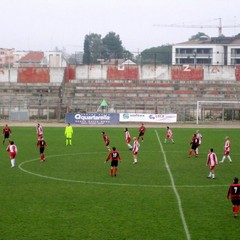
154 118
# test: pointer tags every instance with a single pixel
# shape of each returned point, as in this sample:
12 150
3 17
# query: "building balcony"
191 55
235 56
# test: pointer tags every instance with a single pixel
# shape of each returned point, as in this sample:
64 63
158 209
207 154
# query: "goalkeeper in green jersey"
68 134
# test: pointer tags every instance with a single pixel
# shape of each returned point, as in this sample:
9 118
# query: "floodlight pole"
197 110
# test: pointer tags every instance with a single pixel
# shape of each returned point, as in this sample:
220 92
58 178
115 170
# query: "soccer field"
72 196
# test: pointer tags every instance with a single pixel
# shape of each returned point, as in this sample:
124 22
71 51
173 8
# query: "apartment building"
6 57
208 51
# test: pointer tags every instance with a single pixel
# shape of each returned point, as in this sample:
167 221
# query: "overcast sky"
46 24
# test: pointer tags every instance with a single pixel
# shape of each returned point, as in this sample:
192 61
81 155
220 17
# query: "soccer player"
106 140
115 157
234 195
6 133
141 130
68 134
226 153
199 136
135 149
212 161
12 149
169 135
39 130
128 138
194 145
41 144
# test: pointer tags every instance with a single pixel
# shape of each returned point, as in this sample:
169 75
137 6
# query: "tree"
156 55
128 55
87 52
92 48
109 47
198 36
112 46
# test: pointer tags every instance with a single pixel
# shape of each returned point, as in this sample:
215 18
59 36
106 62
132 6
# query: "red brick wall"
187 73
237 72
70 73
125 72
33 75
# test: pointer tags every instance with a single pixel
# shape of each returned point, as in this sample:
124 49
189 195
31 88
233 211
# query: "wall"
122 72
152 72
135 73
237 72
8 76
187 72
219 73
33 75
91 72
56 75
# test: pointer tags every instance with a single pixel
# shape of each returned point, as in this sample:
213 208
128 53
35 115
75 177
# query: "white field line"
20 166
175 190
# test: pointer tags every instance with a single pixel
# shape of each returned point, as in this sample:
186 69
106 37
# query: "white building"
55 59
40 59
208 51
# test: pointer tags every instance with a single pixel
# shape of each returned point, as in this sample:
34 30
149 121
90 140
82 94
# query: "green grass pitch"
72 196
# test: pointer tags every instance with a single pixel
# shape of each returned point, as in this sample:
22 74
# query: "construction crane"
219 26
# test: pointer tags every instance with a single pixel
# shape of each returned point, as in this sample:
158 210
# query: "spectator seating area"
165 96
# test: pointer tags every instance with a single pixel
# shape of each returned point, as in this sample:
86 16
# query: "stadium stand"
147 96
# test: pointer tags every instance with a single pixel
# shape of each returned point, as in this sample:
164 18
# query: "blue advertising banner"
92 118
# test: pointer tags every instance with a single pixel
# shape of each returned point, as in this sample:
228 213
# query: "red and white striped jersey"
199 136
169 133
136 146
227 146
12 149
39 130
127 136
212 159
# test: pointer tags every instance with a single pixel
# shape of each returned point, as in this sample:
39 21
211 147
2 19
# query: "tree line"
98 49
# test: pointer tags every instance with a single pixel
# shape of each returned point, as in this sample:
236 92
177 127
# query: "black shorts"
6 135
141 134
41 149
236 202
114 163
194 147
